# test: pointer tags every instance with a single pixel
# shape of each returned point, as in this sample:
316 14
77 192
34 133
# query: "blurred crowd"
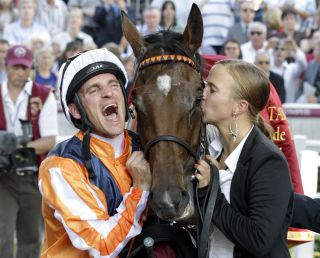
282 37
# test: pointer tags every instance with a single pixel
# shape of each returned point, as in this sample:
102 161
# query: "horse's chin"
186 214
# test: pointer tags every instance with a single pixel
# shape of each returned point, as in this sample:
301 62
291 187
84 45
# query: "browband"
167 59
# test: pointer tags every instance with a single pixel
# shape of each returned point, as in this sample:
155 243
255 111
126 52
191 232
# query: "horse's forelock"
170 41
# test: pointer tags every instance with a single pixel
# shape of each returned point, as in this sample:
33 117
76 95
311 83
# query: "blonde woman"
254 203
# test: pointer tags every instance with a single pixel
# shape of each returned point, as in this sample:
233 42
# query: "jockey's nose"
106 91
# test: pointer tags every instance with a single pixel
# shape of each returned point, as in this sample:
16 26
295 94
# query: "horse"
167 92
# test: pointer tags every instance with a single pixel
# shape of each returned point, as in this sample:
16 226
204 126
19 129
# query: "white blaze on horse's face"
164 83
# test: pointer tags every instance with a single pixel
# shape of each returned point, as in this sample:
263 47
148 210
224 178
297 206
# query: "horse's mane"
172 42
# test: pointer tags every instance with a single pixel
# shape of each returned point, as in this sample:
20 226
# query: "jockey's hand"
139 169
203 170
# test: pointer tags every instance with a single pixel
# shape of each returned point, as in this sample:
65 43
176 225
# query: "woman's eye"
212 90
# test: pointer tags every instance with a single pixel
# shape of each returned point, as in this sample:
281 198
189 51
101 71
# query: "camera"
22 160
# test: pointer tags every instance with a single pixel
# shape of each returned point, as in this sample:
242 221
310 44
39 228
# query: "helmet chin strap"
86 127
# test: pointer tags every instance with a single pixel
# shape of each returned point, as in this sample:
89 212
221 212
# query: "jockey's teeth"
111 116
112 109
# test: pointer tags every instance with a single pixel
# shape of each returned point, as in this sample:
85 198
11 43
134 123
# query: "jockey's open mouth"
110 111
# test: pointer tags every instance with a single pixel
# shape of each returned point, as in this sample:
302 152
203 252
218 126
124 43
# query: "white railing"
304 119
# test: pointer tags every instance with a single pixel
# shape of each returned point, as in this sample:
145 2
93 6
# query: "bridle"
172 58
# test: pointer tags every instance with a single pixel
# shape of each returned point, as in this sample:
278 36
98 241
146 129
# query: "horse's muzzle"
172 204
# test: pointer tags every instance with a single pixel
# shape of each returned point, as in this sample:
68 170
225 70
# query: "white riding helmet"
82 67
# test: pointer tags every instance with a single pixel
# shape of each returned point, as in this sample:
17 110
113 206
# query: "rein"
205 214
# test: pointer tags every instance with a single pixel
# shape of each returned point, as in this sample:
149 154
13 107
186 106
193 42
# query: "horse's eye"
142 77
198 100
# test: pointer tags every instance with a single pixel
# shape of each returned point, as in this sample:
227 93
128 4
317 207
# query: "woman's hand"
203 170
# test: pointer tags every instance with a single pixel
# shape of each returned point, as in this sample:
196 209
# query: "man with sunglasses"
95 185
240 30
262 60
257 41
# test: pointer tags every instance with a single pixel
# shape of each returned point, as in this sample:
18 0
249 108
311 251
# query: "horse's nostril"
185 194
171 203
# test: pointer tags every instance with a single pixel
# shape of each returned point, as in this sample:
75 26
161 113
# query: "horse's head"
167 93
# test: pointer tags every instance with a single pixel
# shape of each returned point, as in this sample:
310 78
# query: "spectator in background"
272 19
52 14
8 14
240 30
113 48
108 18
73 32
312 74
231 48
20 199
151 21
273 41
315 39
183 9
38 41
290 63
257 36
289 21
151 24
4 46
218 17
263 61
88 7
128 64
169 18
44 60
303 9
72 48
22 31
312 24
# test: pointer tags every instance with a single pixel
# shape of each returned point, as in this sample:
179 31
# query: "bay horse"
167 92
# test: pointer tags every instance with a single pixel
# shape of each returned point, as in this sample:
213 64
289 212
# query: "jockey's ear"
193 32
132 35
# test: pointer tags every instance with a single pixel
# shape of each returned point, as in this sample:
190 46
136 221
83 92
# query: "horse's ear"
132 35
193 32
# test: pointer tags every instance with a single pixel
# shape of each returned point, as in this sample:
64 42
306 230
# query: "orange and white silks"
76 215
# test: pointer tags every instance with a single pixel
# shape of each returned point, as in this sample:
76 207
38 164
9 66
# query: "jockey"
94 185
